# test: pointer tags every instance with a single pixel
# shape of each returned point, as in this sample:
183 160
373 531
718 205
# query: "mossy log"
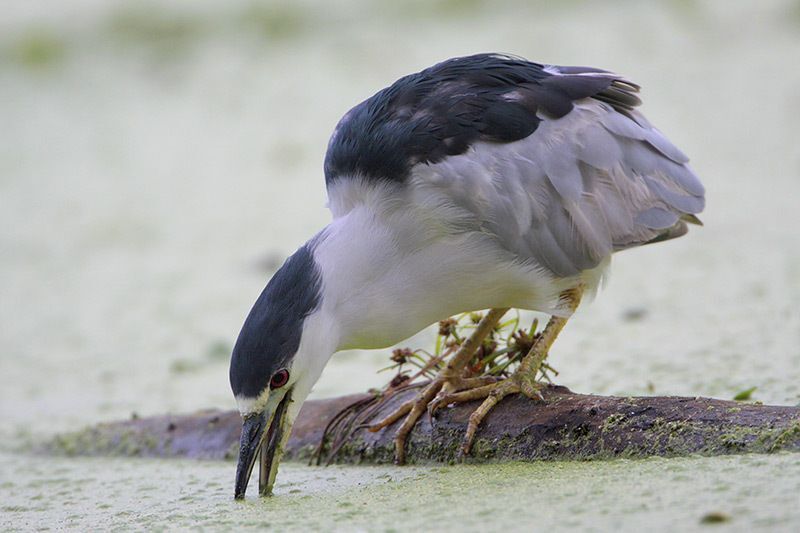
565 426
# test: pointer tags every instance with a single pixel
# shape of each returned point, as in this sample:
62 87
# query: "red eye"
279 379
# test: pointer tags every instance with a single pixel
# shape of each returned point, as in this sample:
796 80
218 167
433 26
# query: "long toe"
393 417
492 395
412 410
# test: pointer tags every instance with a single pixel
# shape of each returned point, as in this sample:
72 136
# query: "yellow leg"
524 378
450 376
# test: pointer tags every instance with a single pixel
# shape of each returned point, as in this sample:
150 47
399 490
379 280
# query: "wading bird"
483 182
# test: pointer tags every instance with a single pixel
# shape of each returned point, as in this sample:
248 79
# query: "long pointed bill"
262 435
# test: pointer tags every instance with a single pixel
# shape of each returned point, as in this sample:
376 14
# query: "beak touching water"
263 435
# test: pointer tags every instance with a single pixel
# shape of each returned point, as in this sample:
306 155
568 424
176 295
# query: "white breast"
392 265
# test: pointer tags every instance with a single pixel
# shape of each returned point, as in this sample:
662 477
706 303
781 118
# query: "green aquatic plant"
745 395
498 356
37 49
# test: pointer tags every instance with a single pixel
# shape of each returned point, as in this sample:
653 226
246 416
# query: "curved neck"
357 256
319 341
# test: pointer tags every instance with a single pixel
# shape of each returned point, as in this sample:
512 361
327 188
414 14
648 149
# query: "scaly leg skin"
450 377
522 380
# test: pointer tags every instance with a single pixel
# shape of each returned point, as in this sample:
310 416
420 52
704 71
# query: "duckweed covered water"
157 165
746 493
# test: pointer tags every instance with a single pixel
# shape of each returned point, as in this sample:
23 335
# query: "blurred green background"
158 160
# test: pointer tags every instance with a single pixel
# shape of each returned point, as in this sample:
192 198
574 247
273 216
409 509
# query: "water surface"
157 163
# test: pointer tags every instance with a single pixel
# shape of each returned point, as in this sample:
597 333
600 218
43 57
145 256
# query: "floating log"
566 426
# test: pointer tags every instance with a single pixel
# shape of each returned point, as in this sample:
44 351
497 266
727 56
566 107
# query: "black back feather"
442 110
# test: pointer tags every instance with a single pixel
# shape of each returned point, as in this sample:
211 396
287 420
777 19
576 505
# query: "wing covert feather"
579 188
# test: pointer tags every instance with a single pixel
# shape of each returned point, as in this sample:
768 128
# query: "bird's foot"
492 393
444 391
449 381
412 410
426 400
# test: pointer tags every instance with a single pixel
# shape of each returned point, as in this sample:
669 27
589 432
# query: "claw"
531 389
441 400
444 383
433 407
494 393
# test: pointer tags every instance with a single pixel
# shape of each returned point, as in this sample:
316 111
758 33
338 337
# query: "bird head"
278 356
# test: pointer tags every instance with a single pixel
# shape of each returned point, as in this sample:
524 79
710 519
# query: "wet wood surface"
566 426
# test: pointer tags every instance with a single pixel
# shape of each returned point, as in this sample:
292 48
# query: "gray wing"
579 188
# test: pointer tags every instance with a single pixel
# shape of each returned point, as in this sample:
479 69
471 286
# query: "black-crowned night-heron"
482 182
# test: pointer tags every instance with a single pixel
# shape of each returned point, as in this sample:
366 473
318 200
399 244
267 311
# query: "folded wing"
599 179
